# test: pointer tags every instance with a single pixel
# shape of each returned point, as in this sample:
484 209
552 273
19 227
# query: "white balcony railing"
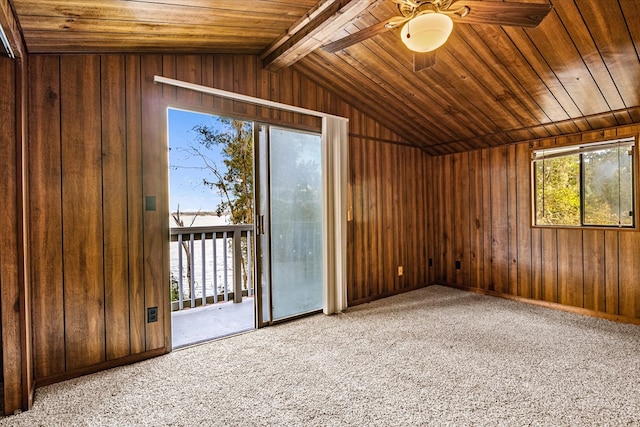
211 264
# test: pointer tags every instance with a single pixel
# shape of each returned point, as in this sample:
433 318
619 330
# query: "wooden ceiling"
579 70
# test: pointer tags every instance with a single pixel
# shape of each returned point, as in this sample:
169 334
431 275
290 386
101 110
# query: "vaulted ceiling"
578 70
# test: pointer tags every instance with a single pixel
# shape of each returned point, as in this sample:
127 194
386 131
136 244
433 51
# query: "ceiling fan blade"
423 61
361 35
501 13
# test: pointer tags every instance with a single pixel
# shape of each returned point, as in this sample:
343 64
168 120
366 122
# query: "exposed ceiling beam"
10 36
312 30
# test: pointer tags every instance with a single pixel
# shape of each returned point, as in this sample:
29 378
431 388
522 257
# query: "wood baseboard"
546 304
75 373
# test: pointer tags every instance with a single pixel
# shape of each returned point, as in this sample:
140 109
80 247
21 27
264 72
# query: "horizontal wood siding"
591 269
98 150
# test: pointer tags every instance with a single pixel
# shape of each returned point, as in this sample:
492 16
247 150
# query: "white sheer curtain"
335 155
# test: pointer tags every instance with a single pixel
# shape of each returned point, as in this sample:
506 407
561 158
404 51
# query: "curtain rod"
244 98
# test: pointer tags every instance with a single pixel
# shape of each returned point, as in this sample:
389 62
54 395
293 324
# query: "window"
589 185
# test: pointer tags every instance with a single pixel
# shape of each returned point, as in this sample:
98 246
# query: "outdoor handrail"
205 233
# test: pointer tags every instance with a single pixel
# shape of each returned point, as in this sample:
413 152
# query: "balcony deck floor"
195 325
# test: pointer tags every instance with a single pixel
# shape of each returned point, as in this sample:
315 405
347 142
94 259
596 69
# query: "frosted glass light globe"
427 32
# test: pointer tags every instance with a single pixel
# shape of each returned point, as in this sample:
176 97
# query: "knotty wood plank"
570 267
387 172
612 257
512 219
487 221
549 274
11 356
45 216
476 225
155 185
245 66
83 264
448 225
629 270
523 209
135 212
372 221
189 69
612 34
223 79
594 269
461 217
114 206
499 221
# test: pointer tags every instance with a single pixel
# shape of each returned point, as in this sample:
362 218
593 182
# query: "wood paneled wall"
386 228
98 152
480 208
16 353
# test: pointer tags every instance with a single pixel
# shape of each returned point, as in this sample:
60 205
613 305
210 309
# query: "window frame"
555 151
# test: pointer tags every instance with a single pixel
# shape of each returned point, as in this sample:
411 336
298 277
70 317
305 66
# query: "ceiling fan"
428 23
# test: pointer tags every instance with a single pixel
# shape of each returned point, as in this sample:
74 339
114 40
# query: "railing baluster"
215 267
237 267
239 253
226 274
192 288
180 270
204 268
249 266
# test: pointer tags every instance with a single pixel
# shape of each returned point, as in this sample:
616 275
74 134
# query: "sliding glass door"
289 222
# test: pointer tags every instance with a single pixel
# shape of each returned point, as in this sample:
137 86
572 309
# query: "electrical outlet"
400 271
152 314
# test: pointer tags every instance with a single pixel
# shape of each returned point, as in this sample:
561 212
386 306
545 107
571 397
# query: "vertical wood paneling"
82 234
487 267
475 219
570 267
499 221
135 213
523 202
460 192
586 268
512 219
155 187
612 262
594 269
45 215
629 263
10 350
114 207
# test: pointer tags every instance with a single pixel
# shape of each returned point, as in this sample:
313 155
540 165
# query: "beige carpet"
436 356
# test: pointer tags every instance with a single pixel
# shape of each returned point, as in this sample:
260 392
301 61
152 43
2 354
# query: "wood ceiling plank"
609 30
582 38
559 53
54 42
479 57
541 68
34 24
243 14
362 94
434 98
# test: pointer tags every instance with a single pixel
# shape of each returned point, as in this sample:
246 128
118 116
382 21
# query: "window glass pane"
608 194
558 191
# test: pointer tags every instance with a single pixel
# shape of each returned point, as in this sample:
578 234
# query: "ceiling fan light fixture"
427 32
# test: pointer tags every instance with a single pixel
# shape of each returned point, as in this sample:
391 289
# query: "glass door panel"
288 196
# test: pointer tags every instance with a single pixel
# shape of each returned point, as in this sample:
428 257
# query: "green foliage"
607 188
558 191
234 182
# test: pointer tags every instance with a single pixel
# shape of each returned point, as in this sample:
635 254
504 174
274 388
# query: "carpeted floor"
436 356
